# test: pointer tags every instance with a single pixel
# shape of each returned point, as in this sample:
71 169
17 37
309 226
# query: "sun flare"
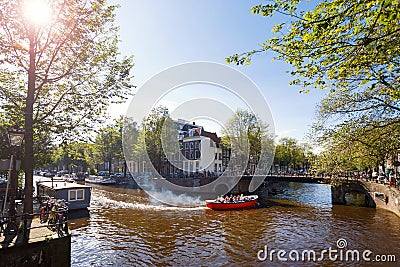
37 12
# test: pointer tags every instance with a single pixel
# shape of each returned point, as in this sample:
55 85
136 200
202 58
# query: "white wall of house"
210 156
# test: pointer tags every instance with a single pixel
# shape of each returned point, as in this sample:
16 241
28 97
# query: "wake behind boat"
100 180
230 203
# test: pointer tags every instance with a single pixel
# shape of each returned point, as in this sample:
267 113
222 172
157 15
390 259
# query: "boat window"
79 194
72 195
76 194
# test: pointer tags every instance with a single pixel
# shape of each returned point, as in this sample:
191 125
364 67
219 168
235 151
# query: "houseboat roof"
58 185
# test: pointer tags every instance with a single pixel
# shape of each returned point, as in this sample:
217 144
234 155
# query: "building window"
191 155
216 155
219 156
197 144
197 154
191 145
186 146
76 194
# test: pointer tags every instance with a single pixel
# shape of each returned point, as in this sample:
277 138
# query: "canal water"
125 227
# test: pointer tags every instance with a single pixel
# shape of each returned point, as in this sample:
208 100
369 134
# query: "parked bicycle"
55 213
58 217
62 222
45 209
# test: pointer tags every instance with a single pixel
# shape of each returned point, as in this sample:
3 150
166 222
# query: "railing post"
26 237
66 230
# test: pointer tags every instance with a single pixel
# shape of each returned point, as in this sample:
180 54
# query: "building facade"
200 154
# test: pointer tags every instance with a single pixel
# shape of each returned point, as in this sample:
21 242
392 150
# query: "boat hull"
103 181
212 204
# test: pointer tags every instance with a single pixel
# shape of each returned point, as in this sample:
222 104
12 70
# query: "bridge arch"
346 188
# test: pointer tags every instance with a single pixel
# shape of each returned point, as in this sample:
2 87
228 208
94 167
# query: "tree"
349 47
72 156
352 49
158 131
73 66
338 44
130 135
108 144
249 138
351 147
291 155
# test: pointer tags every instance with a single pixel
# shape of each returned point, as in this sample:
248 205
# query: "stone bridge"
377 195
225 184
343 187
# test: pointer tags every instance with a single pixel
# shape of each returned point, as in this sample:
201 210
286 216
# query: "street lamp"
15 137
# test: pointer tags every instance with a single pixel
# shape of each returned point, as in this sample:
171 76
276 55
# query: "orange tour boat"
242 203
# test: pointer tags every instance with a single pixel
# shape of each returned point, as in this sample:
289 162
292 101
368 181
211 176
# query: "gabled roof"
212 136
199 131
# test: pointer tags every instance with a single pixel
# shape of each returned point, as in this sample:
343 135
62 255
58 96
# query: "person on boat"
226 199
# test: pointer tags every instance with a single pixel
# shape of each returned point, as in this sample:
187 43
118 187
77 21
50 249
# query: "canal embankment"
39 246
381 196
385 197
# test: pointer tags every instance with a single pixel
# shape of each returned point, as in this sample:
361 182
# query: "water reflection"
355 199
126 228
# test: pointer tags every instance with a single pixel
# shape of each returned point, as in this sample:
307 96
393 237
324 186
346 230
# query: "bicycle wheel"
11 229
43 215
51 223
59 226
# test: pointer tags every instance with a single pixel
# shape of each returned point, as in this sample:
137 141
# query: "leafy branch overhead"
352 50
79 70
59 76
339 45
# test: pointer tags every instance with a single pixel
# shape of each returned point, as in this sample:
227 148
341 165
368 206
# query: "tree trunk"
29 156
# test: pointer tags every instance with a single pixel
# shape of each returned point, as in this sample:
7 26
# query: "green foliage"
78 69
157 127
72 154
248 137
130 135
339 45
289 154
108 144
350 147
350 48
43 144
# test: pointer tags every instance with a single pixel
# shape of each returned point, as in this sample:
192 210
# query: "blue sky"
161 34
